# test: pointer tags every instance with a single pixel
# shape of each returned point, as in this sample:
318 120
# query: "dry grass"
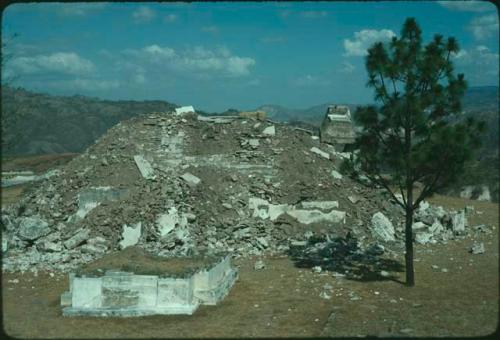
284 301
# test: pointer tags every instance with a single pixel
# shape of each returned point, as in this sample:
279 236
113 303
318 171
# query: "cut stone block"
320 152
269 131
313 216
86 292
336 174
125 290
144 167
382 228
32 228
325 205
211 286
184 109
191 179
91 198
130 235
459 221
66 299
167 222
161 285
77 239
423 237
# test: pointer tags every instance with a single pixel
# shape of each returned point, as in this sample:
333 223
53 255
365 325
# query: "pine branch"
383 183
427 190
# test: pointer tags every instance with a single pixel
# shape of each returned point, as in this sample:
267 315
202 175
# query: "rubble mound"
184 184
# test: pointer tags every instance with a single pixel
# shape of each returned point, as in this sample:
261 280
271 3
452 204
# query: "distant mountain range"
34 123
483 98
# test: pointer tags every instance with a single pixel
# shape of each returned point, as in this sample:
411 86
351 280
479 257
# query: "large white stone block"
144 167
86 292
174 292
125 291
313 216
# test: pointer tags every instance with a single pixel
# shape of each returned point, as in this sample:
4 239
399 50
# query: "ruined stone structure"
119 292
184 109
337 128
260 115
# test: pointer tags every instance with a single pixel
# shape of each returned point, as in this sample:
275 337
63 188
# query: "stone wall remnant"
337 127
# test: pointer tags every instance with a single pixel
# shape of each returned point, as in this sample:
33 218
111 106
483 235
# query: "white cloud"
460 54
170 18
210 29
479 64
484 26
310 81
364 39
68 63
143 14
197 61
313 14
347 67
77 85
78 9
91 84
467 6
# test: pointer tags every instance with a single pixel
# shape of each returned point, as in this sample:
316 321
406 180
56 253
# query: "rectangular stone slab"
128 291
174 292
86 292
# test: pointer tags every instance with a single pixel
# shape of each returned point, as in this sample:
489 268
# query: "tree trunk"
410 276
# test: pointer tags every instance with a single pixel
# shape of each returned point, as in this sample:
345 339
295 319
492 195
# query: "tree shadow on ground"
343 256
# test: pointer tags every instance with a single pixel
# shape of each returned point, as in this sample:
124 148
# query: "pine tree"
415 132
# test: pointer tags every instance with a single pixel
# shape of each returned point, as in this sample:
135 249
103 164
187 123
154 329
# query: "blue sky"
229 55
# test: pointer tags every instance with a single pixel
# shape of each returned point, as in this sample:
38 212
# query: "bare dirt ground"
284 301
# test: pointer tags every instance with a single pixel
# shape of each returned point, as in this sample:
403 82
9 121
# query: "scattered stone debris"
459 221
193 184
259 264
184 109
477 248
269 131
190 179
476 192
320 152
406 330
325 295
144 167
130 235
317 269
353 199
338 175
382 228
353 296
32 228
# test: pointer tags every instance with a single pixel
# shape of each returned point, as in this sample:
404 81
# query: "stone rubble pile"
181 184
433 224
